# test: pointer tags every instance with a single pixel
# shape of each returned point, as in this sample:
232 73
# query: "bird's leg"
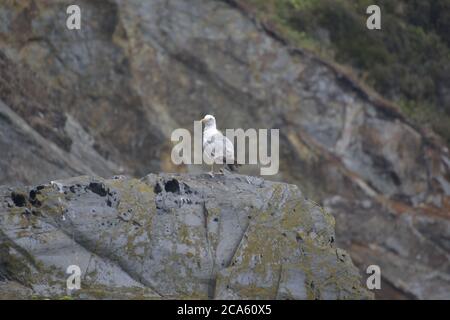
211 173
223 170
224 164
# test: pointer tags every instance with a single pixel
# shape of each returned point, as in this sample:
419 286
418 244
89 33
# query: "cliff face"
104 100
171 236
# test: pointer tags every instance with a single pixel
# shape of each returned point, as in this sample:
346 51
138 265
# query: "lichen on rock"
171 236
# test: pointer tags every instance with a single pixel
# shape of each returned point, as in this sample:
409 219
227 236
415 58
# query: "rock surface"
171 236
104 100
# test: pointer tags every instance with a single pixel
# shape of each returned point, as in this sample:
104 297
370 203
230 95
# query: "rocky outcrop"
104 100
171 236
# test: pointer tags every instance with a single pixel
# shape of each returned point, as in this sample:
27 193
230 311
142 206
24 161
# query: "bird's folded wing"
220 144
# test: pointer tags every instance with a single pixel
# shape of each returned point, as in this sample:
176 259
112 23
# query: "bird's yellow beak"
202 120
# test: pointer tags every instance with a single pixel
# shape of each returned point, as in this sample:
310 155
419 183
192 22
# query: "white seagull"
216 146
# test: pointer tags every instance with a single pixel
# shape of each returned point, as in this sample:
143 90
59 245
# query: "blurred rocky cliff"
103 100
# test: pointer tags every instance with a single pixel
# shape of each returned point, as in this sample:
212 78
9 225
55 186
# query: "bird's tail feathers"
233 167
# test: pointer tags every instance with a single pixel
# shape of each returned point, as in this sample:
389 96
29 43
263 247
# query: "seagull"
216 146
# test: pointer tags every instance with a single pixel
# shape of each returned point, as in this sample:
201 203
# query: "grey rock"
170 236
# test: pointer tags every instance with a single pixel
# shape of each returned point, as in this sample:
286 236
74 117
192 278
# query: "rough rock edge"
286 239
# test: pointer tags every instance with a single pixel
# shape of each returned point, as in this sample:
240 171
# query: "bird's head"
208 120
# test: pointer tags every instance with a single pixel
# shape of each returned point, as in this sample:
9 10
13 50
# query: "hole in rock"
18 199
33 200
157 188
172 186
98 188
32 195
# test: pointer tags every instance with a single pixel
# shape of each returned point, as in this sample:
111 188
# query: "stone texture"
104 100
171 236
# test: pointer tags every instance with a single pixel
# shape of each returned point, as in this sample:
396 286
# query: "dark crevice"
157 189
172 186
19 199
98 188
